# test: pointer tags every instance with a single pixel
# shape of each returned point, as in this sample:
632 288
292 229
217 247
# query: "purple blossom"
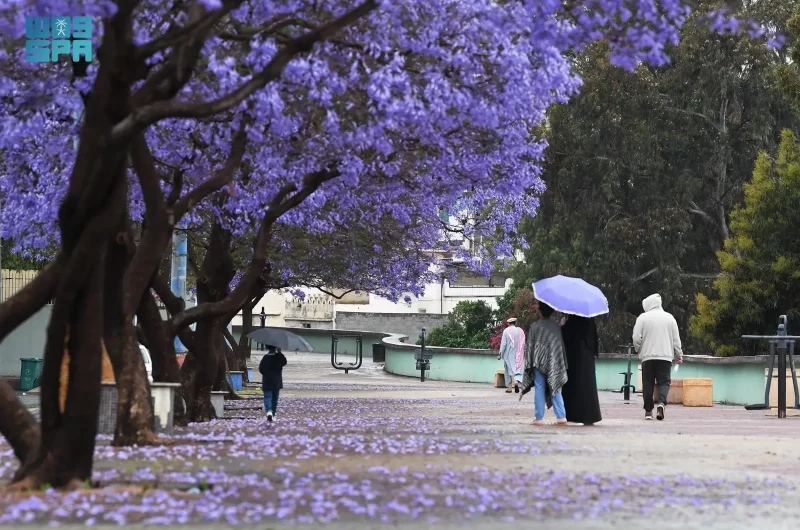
419 107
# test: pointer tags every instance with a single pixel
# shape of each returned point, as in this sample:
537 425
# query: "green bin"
30 373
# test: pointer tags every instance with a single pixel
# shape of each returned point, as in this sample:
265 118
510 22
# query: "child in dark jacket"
271 368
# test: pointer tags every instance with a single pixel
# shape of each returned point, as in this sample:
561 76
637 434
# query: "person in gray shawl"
545 366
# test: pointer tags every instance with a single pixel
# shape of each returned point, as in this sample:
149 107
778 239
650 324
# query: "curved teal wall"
736 380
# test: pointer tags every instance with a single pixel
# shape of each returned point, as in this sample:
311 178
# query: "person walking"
545 366
658 343
580 393
512 353
271 368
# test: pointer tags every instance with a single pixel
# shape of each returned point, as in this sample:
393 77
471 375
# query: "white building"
319 310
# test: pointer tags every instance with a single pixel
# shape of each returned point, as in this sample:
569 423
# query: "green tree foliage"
523 307
469 326
644 168
473 316
526 309
760 263
505 303
788 70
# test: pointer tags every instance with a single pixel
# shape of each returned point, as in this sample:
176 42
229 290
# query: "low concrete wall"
736 380
447 364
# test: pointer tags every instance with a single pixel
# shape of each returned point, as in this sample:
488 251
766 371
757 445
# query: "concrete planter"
162 397
218 402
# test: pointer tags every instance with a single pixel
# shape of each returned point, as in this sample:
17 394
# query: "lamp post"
263 317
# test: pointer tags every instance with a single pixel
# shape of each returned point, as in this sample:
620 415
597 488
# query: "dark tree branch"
199 25
177 188
145 169
214 183
693 208
17 425
280 204
142 117
247 34
646 274
186 43
146 258
31 298
174 305
336 296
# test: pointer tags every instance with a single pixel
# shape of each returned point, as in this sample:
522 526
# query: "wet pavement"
367 450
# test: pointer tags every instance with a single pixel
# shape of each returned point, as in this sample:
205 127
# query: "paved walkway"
366 450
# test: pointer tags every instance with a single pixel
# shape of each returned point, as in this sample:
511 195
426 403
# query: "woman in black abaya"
580 392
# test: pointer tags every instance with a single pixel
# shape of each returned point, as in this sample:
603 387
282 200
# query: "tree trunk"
91 210
233 354
66 449
134 407
183 374
200 376
199 373
223 382
245 344
160 343
17 424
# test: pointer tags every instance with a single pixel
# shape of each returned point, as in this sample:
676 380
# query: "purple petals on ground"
379 459
386 495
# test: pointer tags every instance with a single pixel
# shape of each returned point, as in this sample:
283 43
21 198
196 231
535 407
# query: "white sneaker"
269 416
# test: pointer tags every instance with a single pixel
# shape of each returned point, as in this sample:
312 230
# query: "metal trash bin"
378 353
30 373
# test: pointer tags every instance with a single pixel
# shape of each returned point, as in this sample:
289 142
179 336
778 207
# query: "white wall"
273 303
437 299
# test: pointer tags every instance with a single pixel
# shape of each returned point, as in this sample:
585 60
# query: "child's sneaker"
269 416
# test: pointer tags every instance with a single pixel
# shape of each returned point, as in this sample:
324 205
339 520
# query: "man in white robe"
512 353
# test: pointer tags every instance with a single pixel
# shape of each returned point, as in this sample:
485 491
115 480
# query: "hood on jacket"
652 302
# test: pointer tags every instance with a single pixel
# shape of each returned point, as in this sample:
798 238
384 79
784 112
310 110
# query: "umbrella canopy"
281 338
572 296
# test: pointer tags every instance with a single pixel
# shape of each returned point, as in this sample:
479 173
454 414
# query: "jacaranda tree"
265 113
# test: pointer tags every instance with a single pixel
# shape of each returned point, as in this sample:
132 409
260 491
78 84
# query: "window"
307 326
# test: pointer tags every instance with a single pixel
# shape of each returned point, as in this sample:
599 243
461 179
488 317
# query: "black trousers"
655 372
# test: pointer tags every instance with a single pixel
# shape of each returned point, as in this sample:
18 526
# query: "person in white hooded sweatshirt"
658 343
